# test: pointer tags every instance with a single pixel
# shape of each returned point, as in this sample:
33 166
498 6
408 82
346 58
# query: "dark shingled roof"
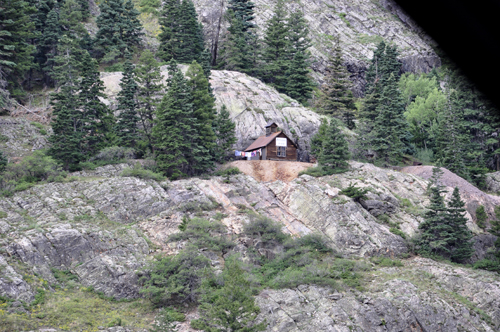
262 141
270 123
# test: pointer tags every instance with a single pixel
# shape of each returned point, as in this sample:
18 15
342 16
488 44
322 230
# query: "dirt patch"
269 170
472 196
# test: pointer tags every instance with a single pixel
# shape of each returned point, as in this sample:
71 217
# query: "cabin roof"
270 123
263 141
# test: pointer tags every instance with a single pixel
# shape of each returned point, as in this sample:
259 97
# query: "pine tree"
319 138
182 35
437 233
244 11
334 152
150 7
67 134
224 130
3 162
16 52
462 247
300 84
128 118
337 99
230 307
298 34
451 140
96 118
71 17
119 29
206 64
390 126
276 47
149 79
234 54
84 9
48 43
204 114
170 27
174 130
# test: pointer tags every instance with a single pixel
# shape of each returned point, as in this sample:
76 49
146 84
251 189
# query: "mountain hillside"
360 24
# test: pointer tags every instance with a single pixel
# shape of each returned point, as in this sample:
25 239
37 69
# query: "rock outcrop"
422 296
493 182
360 25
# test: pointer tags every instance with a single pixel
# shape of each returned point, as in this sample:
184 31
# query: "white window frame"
281 151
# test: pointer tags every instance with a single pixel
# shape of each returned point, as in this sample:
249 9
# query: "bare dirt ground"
470 194
270 170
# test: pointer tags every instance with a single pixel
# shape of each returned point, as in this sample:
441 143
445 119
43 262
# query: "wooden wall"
291 150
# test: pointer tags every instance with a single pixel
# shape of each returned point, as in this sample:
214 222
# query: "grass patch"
79 310
138 172
386 262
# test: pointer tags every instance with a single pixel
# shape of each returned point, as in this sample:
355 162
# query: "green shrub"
114 68
228 171
399 232
206 234
3 214
314 171
141 173
315 242
63 276
265 229
355 193
386 262
32 169
175 280
488 264
88 165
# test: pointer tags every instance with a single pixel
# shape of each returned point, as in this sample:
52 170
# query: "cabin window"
281 151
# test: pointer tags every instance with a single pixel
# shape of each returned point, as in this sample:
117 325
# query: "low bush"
399 232
30 170
265 229
206 234
488 264
314 171
228 171
141 173
176 280
354 192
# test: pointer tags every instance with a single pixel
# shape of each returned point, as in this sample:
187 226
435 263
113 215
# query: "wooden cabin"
275 145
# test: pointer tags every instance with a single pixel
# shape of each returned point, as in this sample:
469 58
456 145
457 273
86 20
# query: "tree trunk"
216 43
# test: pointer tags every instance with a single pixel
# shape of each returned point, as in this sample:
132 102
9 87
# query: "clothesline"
248 154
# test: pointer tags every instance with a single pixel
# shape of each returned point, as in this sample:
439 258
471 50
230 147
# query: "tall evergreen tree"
16 52
298 34
174 130
48 43
319 138
71 17
204 114
96 118
128 118
276 48
390 126
235 52
299 84
67 136
244 11
334 152
119 29
170 27
182 35
337 99
149 79
225 137
462 246
437 233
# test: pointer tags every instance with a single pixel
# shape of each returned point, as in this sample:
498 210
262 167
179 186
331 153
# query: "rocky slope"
251 104
360 24
103 228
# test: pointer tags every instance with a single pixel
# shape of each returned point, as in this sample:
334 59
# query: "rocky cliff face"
360 25
102 228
